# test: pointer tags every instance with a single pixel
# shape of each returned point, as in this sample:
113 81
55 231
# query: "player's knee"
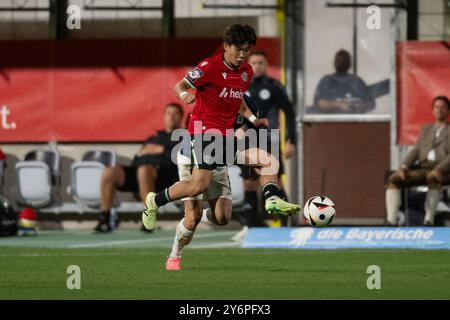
223 220
197 189
271 167
223 215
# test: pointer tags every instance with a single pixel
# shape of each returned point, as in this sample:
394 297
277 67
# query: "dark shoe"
428 224
104 225
388 224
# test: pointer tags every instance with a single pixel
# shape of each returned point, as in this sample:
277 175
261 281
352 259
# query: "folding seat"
38 179
85 176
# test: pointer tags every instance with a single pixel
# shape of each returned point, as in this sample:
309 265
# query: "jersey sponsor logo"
194 74
229 92
244 76
224 74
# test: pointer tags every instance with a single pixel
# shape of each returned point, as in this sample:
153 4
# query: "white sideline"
120 242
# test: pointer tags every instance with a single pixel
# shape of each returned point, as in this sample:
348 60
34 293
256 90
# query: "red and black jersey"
220 89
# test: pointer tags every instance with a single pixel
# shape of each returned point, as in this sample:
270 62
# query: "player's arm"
248 114
181 91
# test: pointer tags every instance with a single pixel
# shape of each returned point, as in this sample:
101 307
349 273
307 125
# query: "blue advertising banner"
348 237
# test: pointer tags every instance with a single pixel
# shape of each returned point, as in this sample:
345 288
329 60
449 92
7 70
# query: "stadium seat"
38 179
414 199
86 176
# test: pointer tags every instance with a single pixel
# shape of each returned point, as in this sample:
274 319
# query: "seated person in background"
432 151
342 92
150 170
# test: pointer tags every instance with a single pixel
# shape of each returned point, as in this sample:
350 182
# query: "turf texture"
130 265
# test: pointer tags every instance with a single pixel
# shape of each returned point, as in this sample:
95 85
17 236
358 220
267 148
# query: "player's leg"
184 232
192 215
251 187
248 216
269 167
219 197
112 178
220 211
201 179
283 195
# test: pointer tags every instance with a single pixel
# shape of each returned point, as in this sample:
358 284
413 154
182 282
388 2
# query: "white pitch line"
103 254
121 242
215 245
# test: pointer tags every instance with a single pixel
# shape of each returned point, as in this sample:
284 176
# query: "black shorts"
210 151
165 178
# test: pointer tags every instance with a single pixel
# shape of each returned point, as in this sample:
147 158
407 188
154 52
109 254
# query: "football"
319 211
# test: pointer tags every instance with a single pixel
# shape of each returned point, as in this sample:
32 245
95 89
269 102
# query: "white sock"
205 218
431 202
393 200
182 238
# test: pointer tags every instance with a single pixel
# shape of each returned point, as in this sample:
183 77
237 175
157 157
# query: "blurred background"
80 75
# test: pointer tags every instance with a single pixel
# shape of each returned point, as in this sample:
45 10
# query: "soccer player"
218 195
220 82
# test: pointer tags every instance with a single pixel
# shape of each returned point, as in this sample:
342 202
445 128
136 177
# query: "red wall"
423 72
91 90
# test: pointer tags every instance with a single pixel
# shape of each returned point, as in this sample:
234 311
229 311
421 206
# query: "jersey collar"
227 65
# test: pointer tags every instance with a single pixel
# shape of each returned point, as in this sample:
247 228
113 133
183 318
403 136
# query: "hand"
288 150
436 174
261 123
188 98
344 106
403 173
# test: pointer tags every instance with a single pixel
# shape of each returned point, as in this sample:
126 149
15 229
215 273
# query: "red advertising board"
86 90
423 72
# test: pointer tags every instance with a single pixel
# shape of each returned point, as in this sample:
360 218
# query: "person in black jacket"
150 170
270 97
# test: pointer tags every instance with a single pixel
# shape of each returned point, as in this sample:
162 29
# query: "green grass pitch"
130 265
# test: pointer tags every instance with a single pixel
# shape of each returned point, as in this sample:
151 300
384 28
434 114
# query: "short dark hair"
443 98
239 34
258 53
175 105
342 61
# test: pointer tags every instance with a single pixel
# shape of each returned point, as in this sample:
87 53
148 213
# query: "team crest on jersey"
244 76
194 74
264 94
